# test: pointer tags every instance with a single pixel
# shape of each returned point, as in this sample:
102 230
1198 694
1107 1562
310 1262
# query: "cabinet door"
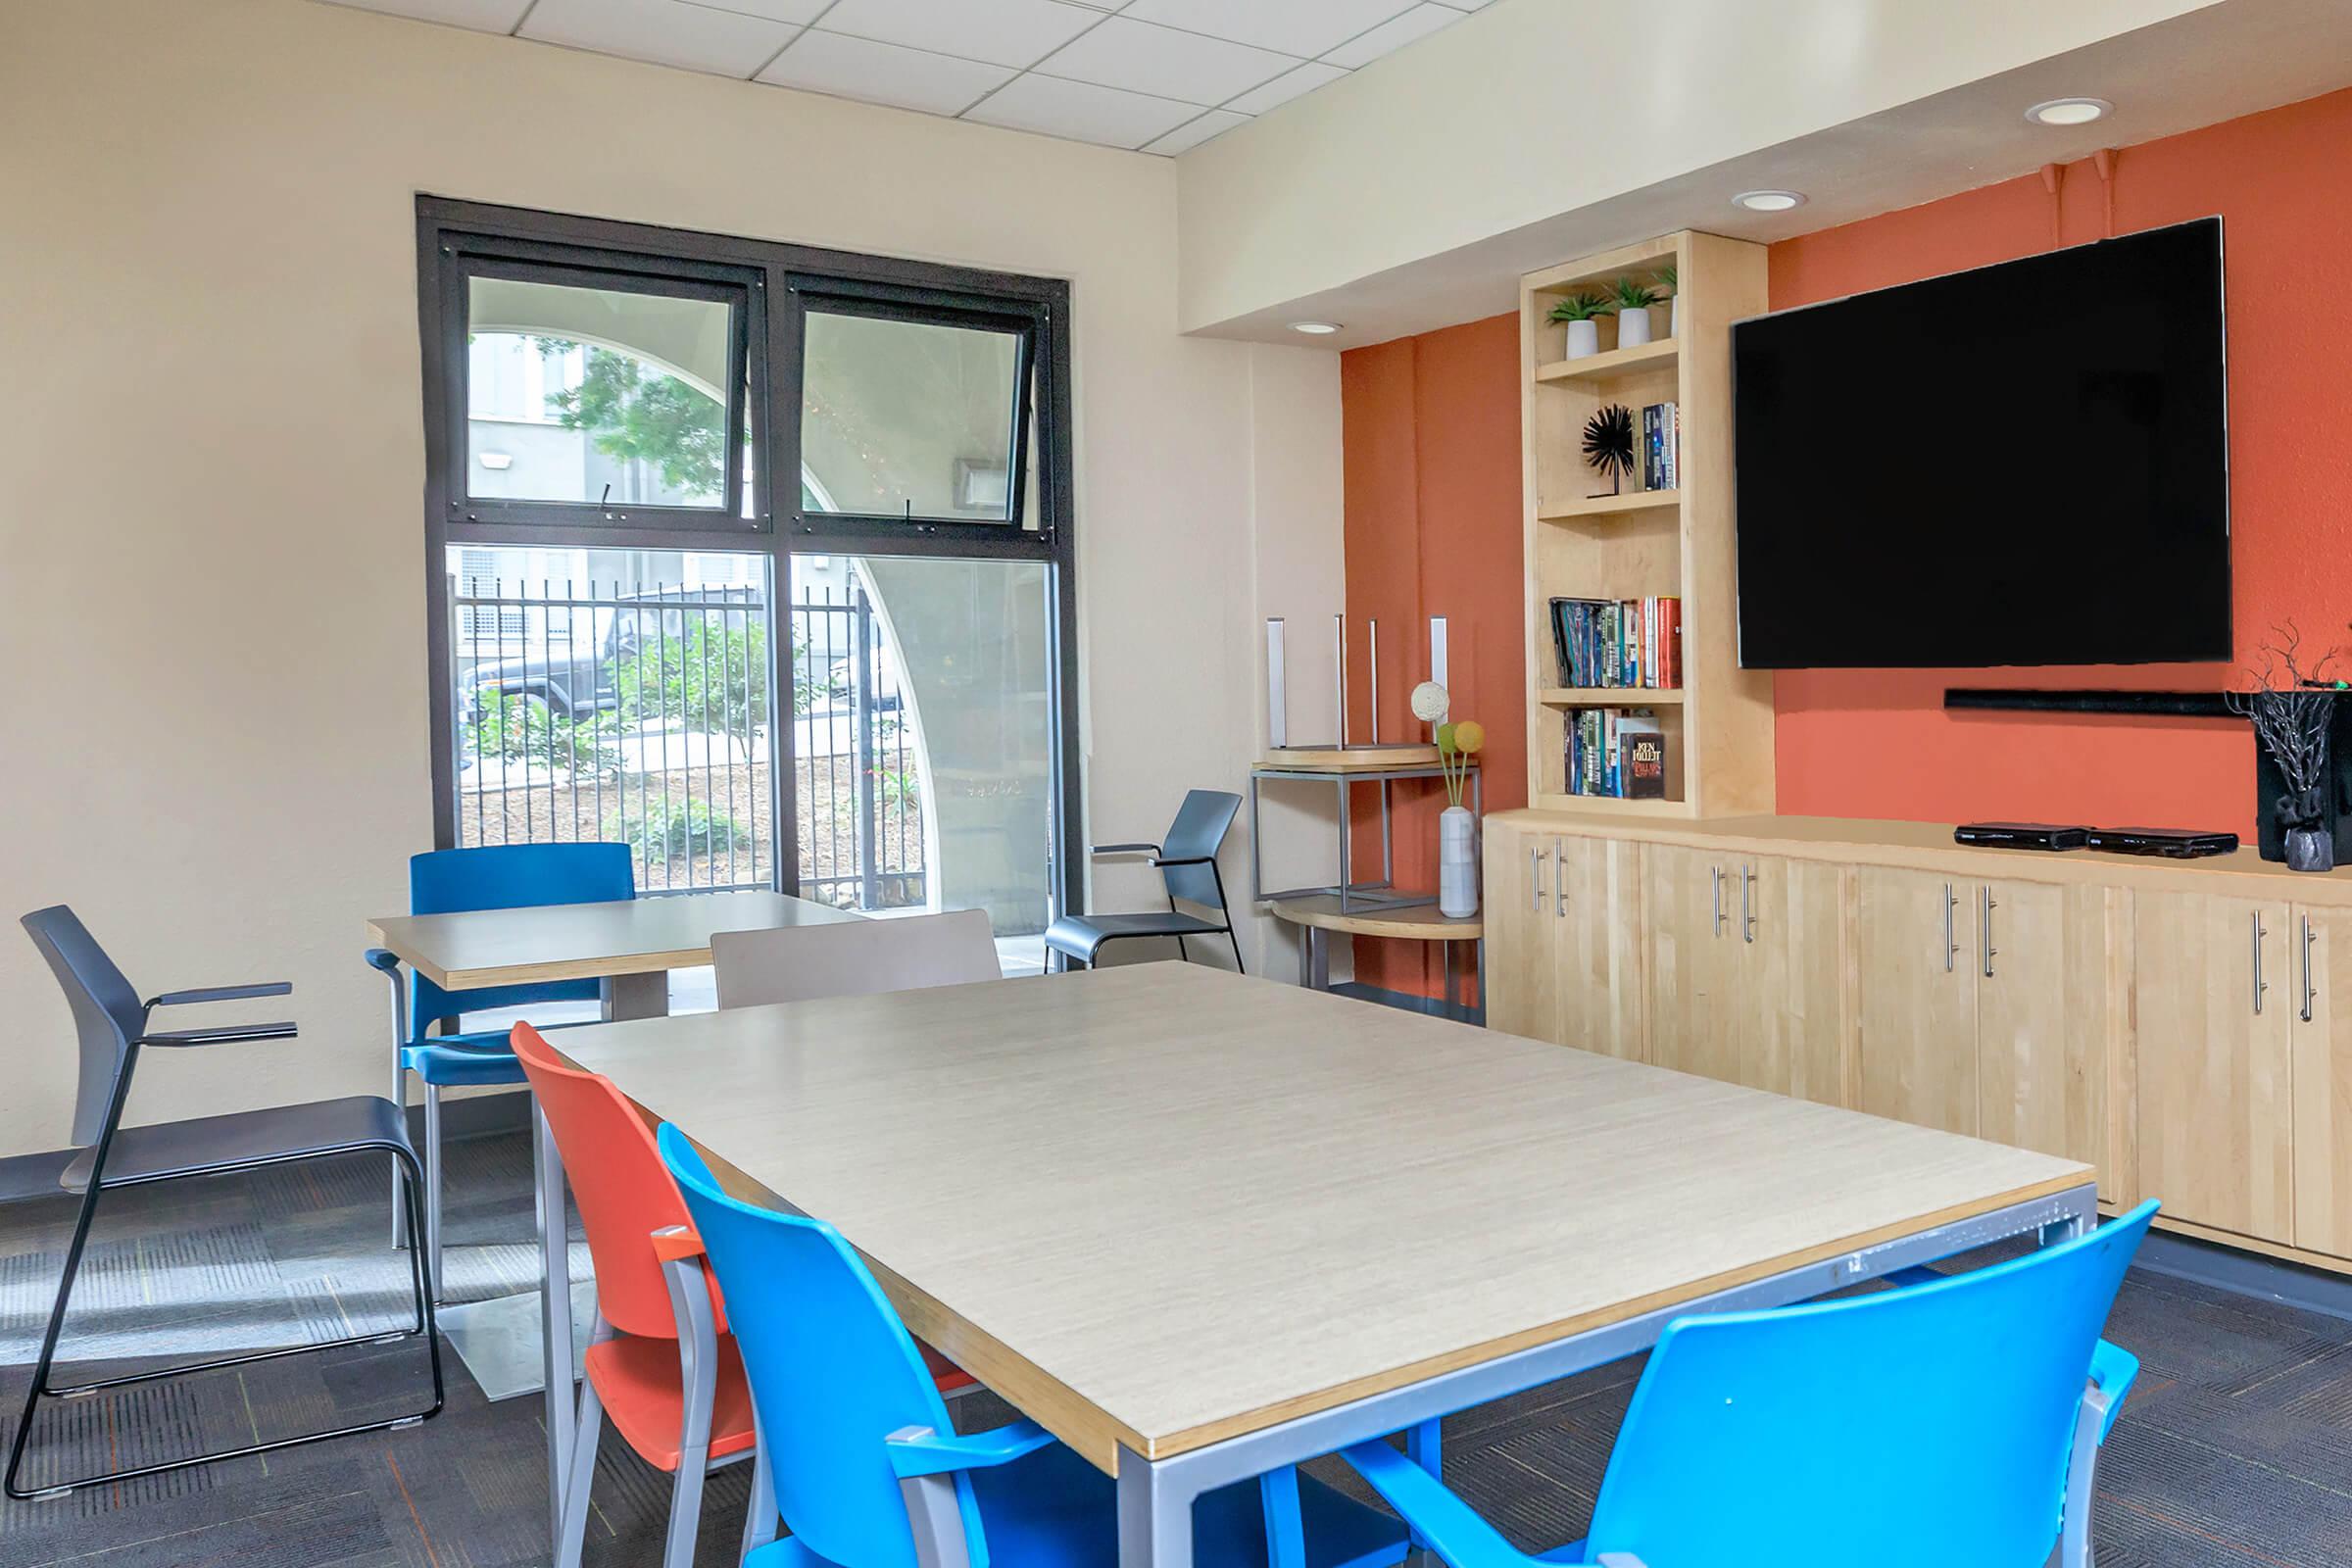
2319 964
1522 978
1918 1012
1789 920
2214 1010
2043 1017
1693 961
1597 920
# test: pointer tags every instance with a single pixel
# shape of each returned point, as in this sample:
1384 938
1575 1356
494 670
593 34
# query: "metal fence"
641 712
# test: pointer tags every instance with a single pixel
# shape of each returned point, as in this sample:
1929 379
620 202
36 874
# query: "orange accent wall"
1431 433
1432 503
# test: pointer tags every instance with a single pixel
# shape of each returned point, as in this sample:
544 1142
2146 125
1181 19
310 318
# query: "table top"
1162 1204
1415 923
583 941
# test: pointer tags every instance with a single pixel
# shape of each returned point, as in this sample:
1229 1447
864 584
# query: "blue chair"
110 1026
855 1450
1954 1422
1187 869
505 877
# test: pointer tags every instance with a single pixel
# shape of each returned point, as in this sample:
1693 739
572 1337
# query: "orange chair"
661 1361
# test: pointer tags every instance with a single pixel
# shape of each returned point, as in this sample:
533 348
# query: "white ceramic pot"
1633 328
1583 338
1457 863
1674 317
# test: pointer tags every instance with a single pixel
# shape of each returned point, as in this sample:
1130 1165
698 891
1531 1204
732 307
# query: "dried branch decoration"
1609 442
2291 709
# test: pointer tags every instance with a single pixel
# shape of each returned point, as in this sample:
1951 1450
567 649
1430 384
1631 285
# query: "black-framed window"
990 352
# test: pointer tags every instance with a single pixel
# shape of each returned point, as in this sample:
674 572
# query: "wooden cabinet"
1596 945
1695 960
1522 977
2048 975
1917 999
2215 1015
1747 970
2319 948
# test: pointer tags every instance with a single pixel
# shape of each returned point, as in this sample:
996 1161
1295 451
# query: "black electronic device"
2024 464
2172 843
2022 836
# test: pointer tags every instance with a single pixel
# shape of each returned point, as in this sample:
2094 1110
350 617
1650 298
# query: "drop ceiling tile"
1287 86
1141 58
1186 137
883 73
1293 27
794 11
667 33
1418 23
1001 33
484 15
1081 111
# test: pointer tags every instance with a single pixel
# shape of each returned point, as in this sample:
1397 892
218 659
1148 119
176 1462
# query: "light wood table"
1200 1225
1316 914
629 948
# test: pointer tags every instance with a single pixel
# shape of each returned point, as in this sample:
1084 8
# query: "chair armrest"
181 998
1124 849
382 958
2114 1369
1189 859
1452 1527
675 1244
227 1033
915 1451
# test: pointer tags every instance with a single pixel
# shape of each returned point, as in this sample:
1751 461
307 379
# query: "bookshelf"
1717 724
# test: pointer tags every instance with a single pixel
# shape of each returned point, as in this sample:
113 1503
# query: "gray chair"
109 1022
1187 868
853 958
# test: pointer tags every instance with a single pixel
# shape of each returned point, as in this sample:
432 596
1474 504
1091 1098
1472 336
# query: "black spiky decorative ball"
1609 442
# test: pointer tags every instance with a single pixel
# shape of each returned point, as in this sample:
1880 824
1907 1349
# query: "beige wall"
211 597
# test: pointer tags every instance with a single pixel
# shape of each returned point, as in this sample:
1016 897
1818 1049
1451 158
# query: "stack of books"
1634 643
1616 752
1660 446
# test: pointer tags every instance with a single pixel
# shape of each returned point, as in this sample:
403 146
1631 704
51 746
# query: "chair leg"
432 1185
1184 954
760 1519
400 1097
422 1324
583 1476
686 1504
1238 966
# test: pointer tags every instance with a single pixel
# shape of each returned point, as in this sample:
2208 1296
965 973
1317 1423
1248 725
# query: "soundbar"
2175 705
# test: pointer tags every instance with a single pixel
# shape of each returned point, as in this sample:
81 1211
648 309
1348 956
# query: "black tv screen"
2027 464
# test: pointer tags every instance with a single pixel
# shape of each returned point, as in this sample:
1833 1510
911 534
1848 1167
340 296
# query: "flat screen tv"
2027 464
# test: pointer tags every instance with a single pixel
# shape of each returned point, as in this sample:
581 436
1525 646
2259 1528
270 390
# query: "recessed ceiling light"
1315 329
2068 110
1769 201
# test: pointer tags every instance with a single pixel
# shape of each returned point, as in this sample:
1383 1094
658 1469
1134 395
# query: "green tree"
632 411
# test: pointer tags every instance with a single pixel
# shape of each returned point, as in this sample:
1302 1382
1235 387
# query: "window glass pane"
596 395
909 418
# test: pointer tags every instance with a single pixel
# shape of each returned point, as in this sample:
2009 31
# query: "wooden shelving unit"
1718 724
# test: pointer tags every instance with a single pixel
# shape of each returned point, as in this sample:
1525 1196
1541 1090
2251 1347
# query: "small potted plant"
1670 279
1633 300
1582 310
2292 711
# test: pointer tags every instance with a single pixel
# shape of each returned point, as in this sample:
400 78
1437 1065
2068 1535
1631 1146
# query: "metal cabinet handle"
1986 904
1535 877
1717 871
1951 942
2260 984
2309 936
1748 910
1559 874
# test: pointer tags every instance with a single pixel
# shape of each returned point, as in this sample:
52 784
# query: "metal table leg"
1155 1515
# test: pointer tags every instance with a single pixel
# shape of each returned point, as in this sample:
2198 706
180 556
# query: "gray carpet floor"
2235 1449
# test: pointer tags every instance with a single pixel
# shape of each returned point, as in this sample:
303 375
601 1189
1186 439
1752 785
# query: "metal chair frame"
128 1045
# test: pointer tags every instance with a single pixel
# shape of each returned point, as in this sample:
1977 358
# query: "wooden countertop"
1161 1205
1867 841
1417 922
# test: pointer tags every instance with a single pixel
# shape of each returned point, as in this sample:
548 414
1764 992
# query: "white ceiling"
1155 75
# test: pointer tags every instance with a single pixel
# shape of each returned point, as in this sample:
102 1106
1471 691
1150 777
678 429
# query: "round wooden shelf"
1419 922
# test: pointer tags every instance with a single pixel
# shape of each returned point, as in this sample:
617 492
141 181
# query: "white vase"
1583 338
1674 317
1457 863
1633 327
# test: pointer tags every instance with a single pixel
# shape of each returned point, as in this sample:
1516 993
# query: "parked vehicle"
573 677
